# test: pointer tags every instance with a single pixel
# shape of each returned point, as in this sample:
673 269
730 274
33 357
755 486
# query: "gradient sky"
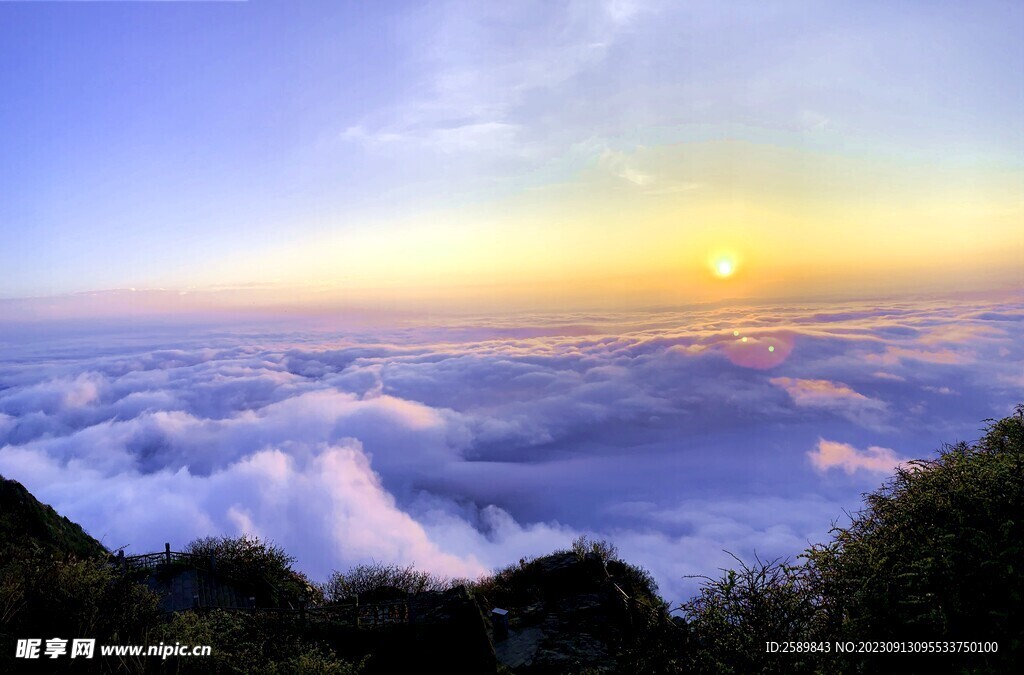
433 282
318 153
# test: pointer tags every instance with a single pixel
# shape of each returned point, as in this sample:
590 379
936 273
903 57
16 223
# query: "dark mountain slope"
27 522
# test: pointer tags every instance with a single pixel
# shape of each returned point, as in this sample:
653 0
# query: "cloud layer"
465 445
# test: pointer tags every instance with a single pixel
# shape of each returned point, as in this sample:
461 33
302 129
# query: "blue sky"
152 134
188 145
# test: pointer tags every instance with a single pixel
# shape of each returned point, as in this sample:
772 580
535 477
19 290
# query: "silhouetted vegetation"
733 615
376 576
264 568
245 643
935 554
54 580
27 524
603 549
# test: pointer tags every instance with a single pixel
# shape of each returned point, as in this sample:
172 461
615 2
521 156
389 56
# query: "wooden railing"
351 612
148 561
375 614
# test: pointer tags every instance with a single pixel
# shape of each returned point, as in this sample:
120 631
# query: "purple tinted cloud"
464 446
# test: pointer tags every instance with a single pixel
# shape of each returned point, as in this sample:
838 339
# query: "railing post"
167 553
499 623
357 611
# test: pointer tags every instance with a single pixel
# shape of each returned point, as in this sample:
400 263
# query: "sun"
723 266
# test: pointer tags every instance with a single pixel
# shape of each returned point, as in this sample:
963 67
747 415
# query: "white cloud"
834 455
835 396
324 503
474 137
621 165
467 446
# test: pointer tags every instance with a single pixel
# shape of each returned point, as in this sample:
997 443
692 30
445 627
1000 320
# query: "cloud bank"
466 444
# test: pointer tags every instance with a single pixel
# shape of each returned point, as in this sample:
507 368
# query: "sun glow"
723 266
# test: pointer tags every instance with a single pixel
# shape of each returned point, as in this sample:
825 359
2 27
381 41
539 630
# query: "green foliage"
26 522
733 615
592 605
935 554
378 576
42 595
242 556
243 643
54 580
261 566
634 580
527 582
515 585
313 661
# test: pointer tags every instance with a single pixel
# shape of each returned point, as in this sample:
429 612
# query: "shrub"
733 615
242 556
604 549
45 596
511 586
936 552
261 566
376 576
243 643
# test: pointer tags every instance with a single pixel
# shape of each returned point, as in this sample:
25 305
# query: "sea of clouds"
465 444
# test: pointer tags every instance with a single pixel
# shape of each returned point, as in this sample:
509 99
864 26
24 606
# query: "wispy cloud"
487 66
894 355
834 396
621 165
473 137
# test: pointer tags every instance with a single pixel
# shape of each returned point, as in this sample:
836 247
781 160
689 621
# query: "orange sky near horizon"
647 227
